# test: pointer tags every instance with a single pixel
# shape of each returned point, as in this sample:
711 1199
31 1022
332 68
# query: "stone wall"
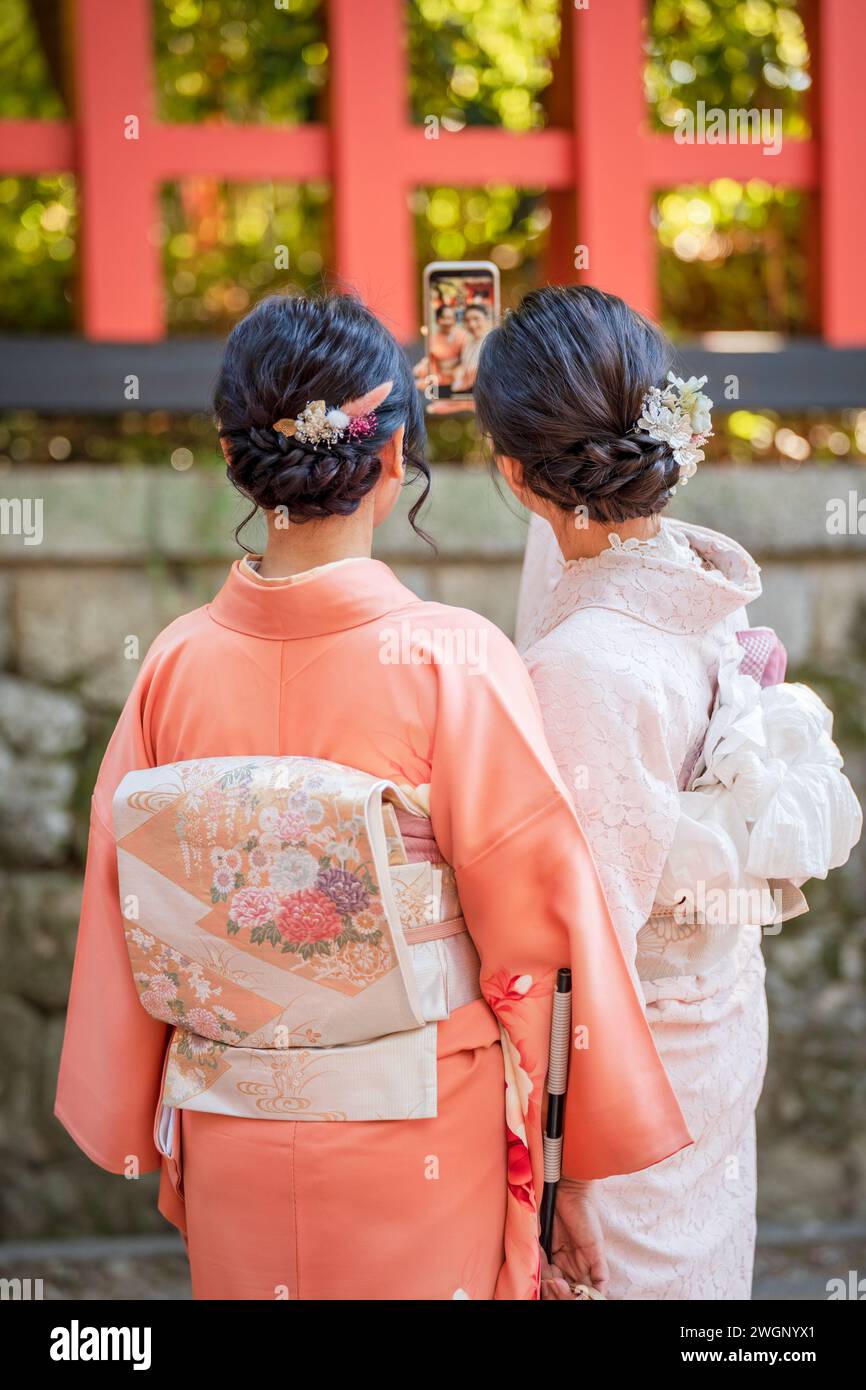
125 550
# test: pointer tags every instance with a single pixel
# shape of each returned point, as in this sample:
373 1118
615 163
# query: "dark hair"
290 350
559 387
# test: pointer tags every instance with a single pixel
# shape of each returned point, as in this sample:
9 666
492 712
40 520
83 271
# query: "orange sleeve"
113 1050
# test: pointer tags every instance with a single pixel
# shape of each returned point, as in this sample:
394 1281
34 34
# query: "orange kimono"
345 664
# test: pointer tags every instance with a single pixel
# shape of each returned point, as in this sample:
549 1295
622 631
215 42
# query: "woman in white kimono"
705 792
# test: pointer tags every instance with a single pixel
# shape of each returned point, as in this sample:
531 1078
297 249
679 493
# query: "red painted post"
613 200
842 144
369 102
121 291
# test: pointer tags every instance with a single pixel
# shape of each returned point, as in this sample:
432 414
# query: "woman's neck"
591 537
294 548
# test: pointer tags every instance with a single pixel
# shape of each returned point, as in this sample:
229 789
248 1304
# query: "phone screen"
461 306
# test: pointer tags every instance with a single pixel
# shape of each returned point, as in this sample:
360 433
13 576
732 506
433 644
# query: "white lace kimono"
624 650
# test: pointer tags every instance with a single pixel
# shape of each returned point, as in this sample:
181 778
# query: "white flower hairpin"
678 414
319 424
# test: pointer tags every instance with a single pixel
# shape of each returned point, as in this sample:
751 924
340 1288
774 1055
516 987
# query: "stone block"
465 516
487 589
39 721
787 604
773 509
35 817
42 910
88 512
76 625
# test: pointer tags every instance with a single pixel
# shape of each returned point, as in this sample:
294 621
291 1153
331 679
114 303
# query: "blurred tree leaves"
225 245
484 61
27 90
727 53
233 60
732 256
37 253
499 223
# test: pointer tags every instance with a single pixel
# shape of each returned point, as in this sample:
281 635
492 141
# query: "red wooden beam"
240 152
613 204
843 168
121 282
372 227
32 148
476 156
664 163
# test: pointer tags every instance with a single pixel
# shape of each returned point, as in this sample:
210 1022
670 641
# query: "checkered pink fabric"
764 656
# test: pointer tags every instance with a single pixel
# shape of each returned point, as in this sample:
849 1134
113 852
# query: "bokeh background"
269 138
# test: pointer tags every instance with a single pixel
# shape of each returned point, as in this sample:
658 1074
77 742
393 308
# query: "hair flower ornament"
678 414
319 424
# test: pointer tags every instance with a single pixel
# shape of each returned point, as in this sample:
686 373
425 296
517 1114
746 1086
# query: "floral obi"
292 919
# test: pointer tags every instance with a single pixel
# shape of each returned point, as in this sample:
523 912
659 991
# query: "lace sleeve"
542 567
608 733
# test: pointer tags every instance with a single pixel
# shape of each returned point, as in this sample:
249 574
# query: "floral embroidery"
288 871
179 990
345 891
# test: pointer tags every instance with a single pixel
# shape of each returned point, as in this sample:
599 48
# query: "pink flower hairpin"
319 424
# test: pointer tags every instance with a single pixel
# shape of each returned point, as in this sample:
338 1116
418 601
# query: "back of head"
291 350
560 388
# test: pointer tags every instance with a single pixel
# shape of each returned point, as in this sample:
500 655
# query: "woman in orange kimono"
316 651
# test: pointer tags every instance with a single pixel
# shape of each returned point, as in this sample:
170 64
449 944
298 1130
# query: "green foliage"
728 53
37 253
499 223
225 245
235 61
26 91
482 62
732 256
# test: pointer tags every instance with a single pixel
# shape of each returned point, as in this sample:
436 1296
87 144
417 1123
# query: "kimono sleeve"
612 745
533 902
113 1050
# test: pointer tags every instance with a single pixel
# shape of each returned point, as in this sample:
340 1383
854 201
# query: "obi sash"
294 922
766 807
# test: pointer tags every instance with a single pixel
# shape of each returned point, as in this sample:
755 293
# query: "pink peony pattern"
307 916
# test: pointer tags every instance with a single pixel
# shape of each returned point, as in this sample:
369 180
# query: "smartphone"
461 305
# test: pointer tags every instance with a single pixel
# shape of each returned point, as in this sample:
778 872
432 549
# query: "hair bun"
310 481
287 354
625 477
561 385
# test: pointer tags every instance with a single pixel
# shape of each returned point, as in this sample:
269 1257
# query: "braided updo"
290 350
559 388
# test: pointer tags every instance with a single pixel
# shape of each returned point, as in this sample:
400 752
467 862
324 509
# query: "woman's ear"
512 471
224 445
391 457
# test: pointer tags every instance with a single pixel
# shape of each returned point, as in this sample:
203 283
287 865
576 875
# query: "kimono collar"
685 581
328 599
